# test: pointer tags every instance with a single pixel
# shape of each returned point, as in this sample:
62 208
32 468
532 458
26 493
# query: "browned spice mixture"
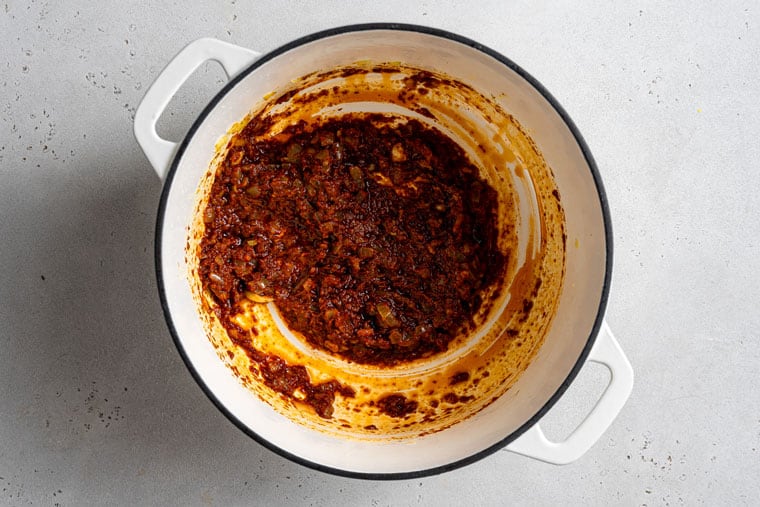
293 382
375 240
396 405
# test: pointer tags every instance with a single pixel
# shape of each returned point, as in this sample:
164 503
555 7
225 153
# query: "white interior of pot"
584 271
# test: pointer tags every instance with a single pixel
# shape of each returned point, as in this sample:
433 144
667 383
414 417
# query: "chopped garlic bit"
256 298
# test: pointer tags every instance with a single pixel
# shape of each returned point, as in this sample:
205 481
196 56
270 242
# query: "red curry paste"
375 239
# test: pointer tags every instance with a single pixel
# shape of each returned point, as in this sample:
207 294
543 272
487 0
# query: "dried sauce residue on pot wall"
326 391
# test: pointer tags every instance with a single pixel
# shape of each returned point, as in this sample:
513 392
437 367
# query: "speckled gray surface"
96 406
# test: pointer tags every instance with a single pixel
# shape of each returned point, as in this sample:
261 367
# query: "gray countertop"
96 406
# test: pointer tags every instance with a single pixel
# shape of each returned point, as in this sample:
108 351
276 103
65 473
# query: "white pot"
578 332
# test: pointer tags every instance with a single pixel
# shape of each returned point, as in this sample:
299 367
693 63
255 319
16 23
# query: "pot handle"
232 58
533 443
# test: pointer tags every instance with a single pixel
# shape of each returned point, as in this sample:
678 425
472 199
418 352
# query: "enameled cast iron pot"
578 332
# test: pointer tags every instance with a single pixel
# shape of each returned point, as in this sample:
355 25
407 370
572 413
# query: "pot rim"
602 202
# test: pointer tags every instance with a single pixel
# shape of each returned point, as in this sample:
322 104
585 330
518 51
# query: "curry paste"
374 238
